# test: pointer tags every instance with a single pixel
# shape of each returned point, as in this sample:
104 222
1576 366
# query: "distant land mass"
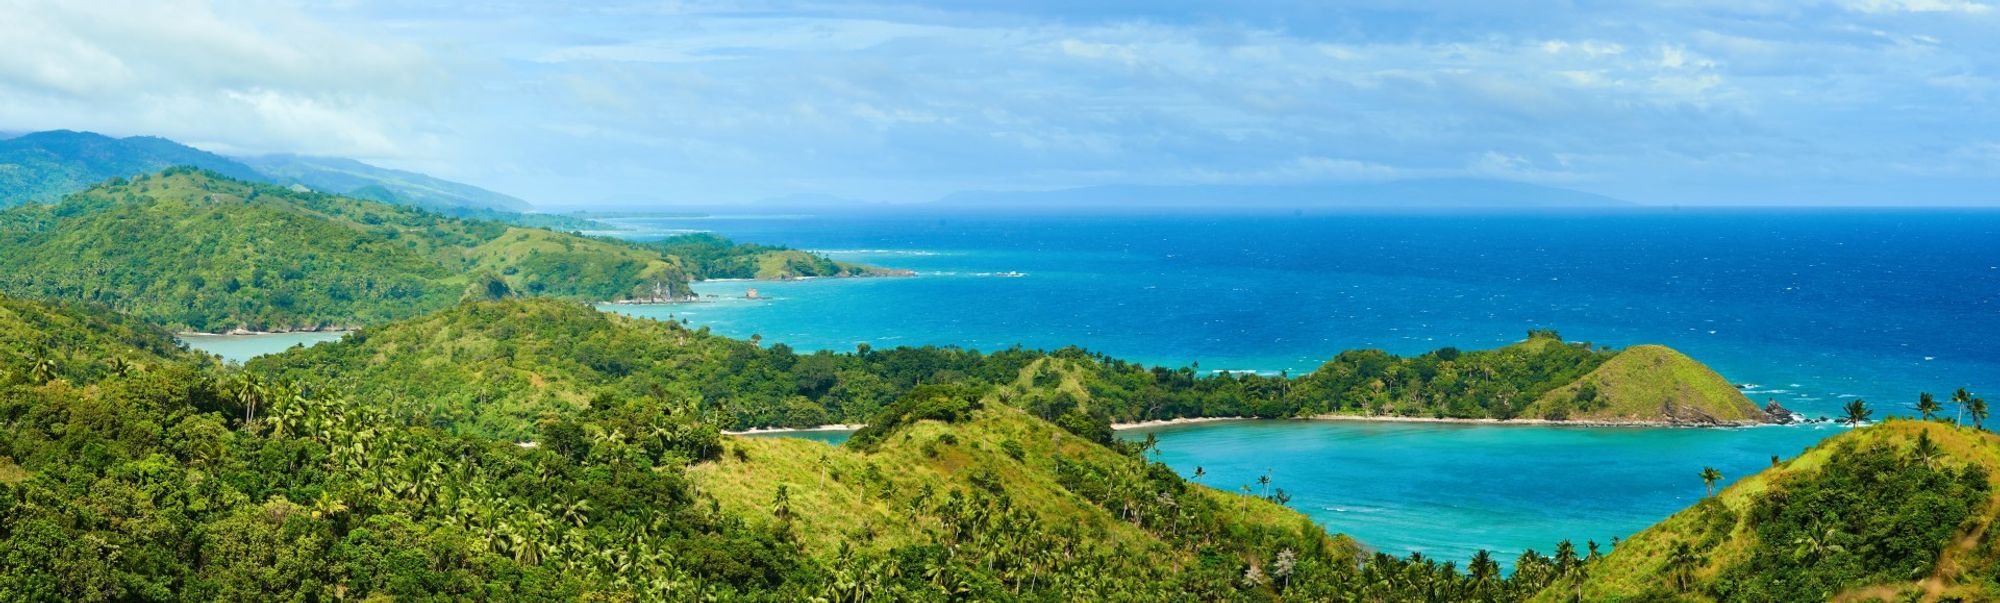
1427 193
356 179
42 167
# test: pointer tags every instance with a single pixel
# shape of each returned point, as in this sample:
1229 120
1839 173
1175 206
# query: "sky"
630 104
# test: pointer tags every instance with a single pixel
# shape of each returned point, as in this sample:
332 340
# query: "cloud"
242 78
898 100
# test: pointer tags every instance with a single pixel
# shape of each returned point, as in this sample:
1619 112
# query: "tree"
1199 473
1681 564
1977 408
1265 481
1928 405
1960 398
1709 477
1857 413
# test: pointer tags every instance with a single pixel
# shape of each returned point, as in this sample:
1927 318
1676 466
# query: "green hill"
43 167
711 256
1900 511
195 250
1650 383
40 342
190 485
357 179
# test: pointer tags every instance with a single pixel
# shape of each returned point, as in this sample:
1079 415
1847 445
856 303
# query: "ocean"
1810 308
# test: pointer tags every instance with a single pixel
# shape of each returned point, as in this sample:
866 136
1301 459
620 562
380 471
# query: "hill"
710 256
357 179
202 484
41 342
1650 383
1902 510
42 167
195 250
1404 194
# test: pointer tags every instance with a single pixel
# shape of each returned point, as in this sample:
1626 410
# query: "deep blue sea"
1809 307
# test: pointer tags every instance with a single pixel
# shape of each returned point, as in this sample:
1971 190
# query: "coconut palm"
1926 450
1977 408
1681 564
1960 398
1928 405
1857 413
1709 477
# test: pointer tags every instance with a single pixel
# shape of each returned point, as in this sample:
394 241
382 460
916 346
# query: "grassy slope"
193 250
1638 566
1657 383
838 499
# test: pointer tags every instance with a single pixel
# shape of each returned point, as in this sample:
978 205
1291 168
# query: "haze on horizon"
1842 102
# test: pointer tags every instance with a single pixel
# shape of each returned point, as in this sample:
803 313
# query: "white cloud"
247 78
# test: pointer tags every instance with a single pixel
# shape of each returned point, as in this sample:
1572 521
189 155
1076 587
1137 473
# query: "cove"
1447 490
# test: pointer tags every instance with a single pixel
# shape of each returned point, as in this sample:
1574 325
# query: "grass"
1638 565
1656 383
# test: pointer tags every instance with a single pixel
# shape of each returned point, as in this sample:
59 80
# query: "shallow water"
1448 490
241 348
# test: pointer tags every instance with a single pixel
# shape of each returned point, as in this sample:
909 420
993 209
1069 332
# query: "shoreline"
771 430
1175 421
342 331
1531 422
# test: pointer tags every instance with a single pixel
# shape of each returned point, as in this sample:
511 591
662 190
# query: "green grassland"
1650 383
1866 515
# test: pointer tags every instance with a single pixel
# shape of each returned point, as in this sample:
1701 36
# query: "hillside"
1896 511
357 179
40 342
710 256
42 167
195 250
199 484
1650 383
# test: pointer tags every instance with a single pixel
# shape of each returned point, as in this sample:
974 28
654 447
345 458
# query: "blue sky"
1873 102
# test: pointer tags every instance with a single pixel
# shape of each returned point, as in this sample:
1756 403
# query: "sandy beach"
1180 421
767 430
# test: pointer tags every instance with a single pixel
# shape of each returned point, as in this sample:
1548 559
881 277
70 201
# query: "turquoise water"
830 436
240 348
1450 490
1813 308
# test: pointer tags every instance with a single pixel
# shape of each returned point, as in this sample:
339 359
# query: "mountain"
1900 511
356 179
42 167
192 249
1403 194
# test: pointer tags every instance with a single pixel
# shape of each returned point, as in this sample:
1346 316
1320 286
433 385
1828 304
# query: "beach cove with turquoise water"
1808 308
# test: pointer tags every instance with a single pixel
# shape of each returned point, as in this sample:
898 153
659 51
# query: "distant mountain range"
1425 193
45 166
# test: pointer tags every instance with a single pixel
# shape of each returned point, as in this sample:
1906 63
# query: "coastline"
343 331
771 430
1178 421
1530 422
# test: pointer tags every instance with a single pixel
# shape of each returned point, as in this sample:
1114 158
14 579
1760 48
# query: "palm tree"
1960 398
1265 481
1925 450
42 368
1681 563
1483 569
1928 405
1709 477
1977 408
1199 473
1857 413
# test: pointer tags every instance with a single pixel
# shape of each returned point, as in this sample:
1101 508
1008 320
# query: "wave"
902 252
